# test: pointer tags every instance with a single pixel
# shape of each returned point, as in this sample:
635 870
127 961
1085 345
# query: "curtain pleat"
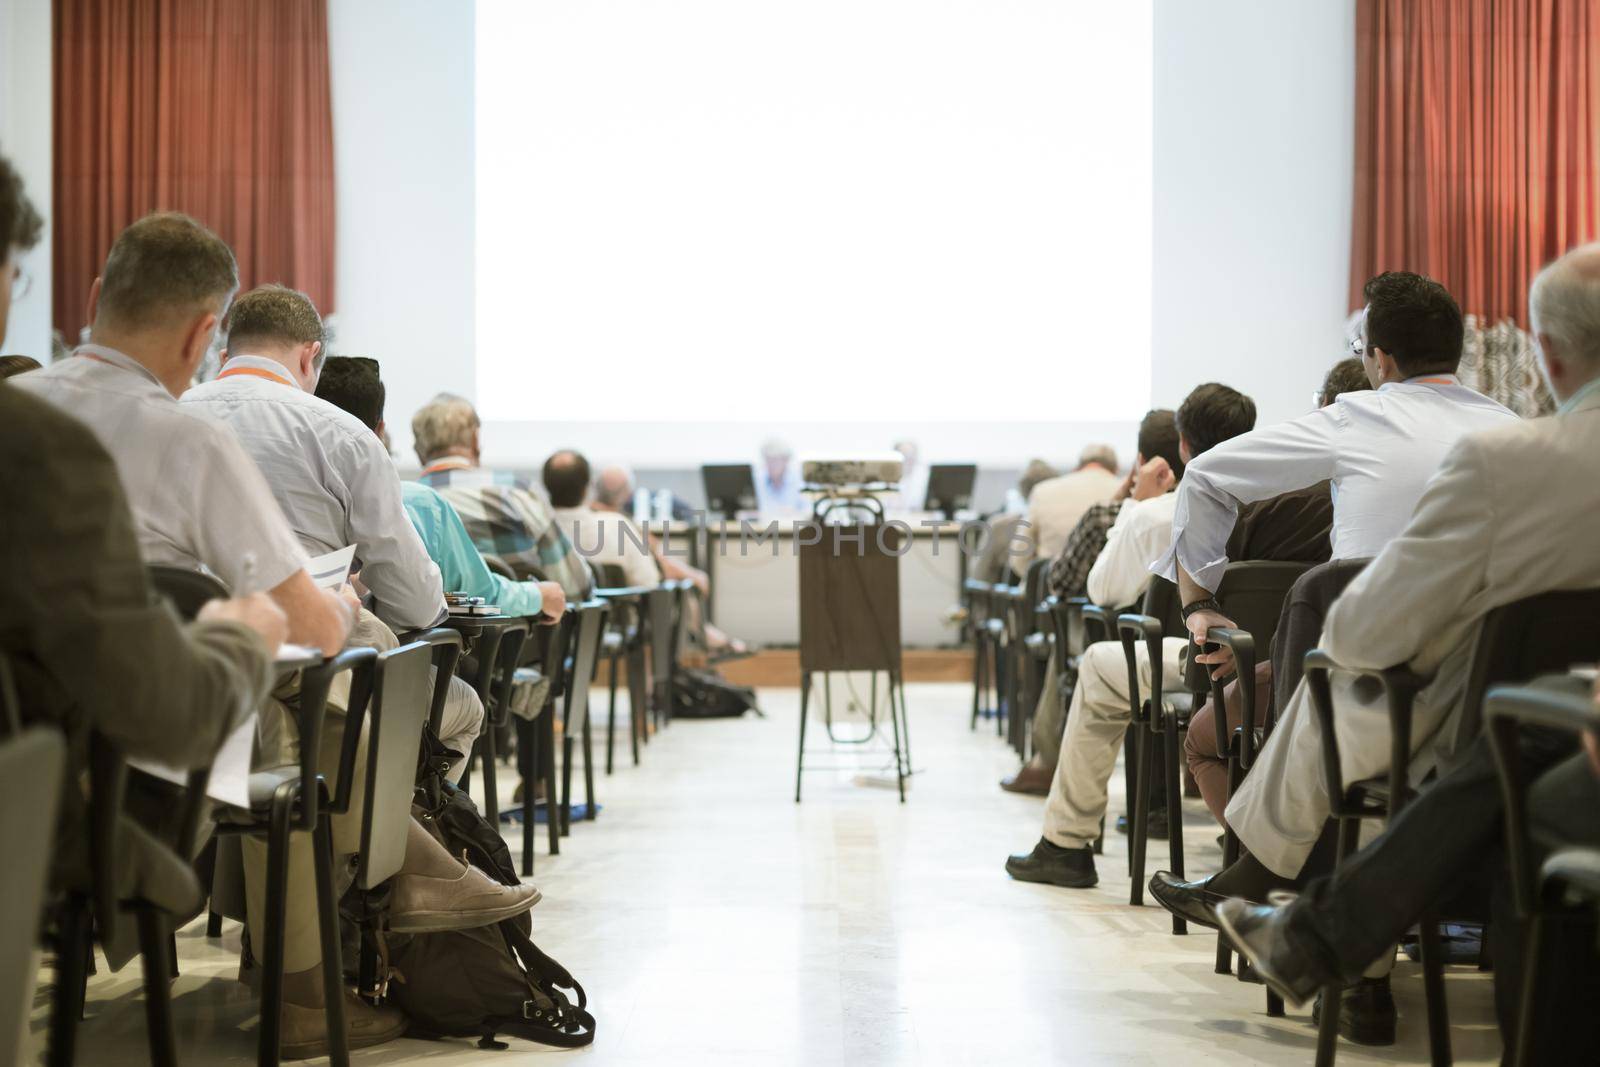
217 108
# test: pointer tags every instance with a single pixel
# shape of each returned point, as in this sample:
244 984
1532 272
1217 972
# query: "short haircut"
1564 304
20 224
354 384
165 266
614 492
1158 436
11 366
1035 472
1345 376
1102 454
1214 413
566 478
1416 321
273 315
445 422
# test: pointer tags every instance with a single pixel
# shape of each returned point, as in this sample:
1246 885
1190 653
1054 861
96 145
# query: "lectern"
850 621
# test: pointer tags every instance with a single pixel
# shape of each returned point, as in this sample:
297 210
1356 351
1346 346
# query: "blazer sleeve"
1423 580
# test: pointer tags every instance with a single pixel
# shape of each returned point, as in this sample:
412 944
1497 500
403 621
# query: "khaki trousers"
1096 722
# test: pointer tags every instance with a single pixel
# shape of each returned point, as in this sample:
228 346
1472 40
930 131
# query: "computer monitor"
950 487
730 488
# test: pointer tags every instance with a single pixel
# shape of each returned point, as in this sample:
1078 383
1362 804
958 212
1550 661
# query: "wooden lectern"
850 621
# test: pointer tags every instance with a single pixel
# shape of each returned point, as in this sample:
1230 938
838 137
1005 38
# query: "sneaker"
425 905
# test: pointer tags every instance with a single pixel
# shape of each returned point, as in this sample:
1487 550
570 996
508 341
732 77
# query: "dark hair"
1158 436
165 265
1415 320
11 366
353 384
1345 376
1212 414
566 478
20 224
273 314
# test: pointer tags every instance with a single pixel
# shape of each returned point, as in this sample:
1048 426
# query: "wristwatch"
1205 604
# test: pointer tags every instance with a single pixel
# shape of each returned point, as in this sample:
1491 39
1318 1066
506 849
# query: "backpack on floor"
492 979
698 693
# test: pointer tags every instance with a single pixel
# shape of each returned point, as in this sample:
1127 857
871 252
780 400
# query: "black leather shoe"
1054 865
1194 901
1157 829
1258 932
1366 1012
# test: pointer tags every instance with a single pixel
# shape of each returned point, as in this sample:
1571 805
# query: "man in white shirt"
1098 716
778 481
1056 504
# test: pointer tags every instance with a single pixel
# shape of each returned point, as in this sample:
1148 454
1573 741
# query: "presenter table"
755 578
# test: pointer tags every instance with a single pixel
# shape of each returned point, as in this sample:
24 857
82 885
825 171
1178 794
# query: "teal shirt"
463 569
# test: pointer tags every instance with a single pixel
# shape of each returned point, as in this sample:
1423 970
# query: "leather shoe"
1156 830
304 1031
1032 780
1051 864
1259 933
424 905
1366 1012
1193 901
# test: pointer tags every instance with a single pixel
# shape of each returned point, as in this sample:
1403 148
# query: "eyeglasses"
1358 347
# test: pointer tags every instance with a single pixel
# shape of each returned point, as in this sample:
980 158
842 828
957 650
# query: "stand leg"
894 716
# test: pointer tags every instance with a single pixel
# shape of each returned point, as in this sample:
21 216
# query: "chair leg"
588 770
269 1040
1433 987
546 726
568 746
978 682
1333 993
156 966
73 950
213 925
332 961
527 765
611 711
1139 828
491 794
1522 1053
1173 784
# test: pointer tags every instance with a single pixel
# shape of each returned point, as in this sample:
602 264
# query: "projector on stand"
841 476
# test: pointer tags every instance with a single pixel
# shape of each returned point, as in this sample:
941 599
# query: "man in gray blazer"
1509 514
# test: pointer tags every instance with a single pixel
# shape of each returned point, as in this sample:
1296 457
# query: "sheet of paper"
290 653
230 771
330 569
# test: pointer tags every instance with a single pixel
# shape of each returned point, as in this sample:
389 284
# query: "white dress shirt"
1379 448
1121 572
610 537
333 480
197 499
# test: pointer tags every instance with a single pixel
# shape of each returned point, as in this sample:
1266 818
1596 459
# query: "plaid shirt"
506 517
1069 571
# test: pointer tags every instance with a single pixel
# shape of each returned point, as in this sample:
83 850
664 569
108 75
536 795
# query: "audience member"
1056 504
504 514
1097 719
1509 514
1346 376
1007 549
913 491
778 481
11 366
356 385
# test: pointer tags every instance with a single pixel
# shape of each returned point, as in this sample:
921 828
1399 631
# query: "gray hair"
1102 454
1564 303
445 422
613 486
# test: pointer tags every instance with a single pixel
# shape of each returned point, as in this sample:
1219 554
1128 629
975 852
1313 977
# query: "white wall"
1254 140
1254 112
25 93
403 146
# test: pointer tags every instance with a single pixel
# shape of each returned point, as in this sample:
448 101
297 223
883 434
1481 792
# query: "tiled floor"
715 922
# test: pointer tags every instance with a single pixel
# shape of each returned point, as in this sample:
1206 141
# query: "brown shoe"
424 905
305 1030
1033 780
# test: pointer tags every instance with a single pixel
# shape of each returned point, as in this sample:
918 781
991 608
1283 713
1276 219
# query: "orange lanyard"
447 465
256 372
1431 381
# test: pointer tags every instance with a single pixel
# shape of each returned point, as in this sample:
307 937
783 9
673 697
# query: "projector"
879 471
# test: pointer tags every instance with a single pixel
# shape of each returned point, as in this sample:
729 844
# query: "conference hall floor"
714 922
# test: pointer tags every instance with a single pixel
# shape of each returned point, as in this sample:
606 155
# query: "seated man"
1056 504
1008 549
355 386
1098 717
504 514
778 482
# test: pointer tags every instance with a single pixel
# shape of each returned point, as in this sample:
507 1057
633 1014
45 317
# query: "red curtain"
219 108
1475 143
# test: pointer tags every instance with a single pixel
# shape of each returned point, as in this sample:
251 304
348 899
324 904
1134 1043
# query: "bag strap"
537 963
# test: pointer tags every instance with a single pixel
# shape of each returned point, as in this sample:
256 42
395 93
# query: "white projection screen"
820 211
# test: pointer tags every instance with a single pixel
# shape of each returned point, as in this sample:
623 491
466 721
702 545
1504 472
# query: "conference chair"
1535 635
588 628
622 645
987 622
497 642
536 744
664 615
1151 722
1544 894
1029 644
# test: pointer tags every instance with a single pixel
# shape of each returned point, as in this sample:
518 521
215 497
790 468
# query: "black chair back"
187 588
401 695
1252 594
1541 634
1161 602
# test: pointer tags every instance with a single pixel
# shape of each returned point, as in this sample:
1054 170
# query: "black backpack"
705 694
492 979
